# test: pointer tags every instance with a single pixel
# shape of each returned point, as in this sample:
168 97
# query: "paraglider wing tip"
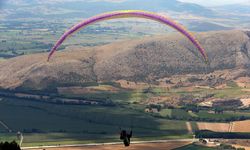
50 54
48 58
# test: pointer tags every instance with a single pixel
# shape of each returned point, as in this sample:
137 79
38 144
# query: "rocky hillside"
138 60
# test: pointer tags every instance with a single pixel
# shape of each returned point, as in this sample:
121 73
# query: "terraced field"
241 126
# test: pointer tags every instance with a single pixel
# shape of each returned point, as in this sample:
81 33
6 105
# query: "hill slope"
137 60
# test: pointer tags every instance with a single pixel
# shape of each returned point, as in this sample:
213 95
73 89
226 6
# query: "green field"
225 115
175 113
19 37
184 115
52 123
48 124
229 92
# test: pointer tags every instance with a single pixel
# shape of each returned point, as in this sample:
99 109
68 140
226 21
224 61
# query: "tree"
9 146
218 110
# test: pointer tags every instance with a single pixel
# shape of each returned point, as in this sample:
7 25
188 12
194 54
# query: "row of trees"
224 135
230 119
196 109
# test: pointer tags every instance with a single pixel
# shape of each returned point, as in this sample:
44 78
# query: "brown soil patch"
132 85
243 82
106 88
86 90
74 90
246 102
239 146
217 127
238 126
238 143
241 126
246 90
222 86
146 146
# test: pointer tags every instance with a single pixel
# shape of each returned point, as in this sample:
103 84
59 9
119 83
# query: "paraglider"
129 14
125 137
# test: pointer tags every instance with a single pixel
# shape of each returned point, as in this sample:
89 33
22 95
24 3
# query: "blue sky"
217 2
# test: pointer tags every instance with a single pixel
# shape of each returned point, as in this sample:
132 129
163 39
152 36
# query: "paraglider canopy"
128 14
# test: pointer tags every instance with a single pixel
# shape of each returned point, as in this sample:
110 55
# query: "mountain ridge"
90 8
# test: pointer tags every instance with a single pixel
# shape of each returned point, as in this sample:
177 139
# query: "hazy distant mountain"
37 8
242 9
217 18
206 26
137 60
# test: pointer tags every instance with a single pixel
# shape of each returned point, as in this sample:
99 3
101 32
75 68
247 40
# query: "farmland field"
147 74
241 126
184 115
17 38
225 115
217 127
73 124
46 122
143 146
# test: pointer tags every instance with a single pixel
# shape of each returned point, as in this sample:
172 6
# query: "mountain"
69 9
136 60
196 17
236 8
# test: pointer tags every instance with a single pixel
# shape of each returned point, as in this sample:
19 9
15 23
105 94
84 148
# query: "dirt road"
152 145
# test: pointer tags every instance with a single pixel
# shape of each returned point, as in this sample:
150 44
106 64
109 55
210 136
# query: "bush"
9 146
224 135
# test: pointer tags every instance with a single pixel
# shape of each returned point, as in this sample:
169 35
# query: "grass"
183 115
138 96
175 113
194 126
73 123
20 39
166 112
121 96
232 92
225 115
229 92
53 124
179 113
192 114
59 138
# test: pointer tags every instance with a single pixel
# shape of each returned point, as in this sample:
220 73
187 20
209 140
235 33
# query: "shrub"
9 146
